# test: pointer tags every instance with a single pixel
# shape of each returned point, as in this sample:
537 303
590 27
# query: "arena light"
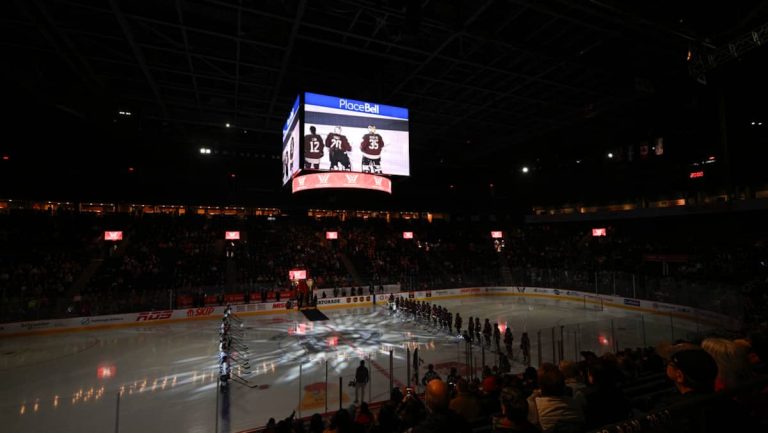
331 235
106 371
599 232
407 235
232 236
497 234
525 170
113 236
297 274
610 155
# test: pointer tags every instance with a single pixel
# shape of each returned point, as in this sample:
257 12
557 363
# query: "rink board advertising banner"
215 312
351 135
291 139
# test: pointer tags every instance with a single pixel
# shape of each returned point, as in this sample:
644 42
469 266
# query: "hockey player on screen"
371 146
338 146
313 149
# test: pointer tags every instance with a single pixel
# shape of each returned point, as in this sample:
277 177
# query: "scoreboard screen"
341 134
291 138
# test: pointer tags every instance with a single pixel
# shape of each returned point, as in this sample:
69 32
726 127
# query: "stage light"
525 170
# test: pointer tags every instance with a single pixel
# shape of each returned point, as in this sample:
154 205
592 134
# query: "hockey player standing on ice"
313 149
371 147
508 340
338 146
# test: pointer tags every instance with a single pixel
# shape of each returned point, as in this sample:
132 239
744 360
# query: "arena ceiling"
485 80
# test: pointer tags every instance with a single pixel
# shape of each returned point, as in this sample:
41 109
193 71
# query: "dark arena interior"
493 216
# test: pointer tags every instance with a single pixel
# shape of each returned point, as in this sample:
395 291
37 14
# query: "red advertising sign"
297 274
407 235
696 174
341 180
599 232
154 315
113 236
331 235
232 236
497 234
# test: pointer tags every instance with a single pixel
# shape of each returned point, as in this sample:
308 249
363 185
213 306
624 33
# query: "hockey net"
593 303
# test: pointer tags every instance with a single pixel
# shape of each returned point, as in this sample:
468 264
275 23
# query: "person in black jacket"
361 380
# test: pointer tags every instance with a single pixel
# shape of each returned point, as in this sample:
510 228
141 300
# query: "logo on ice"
351 178
323 178
359 106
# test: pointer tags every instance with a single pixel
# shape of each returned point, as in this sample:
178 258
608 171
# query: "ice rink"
166 374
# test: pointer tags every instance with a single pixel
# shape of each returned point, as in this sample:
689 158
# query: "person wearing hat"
693 371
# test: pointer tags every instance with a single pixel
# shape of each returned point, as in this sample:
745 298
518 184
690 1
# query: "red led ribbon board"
341 180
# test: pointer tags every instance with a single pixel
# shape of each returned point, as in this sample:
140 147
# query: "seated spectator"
574 382
316 424
364 417
514 413
733 367
694 372
553 411
465 403
440 418
605 403
341 422
411 412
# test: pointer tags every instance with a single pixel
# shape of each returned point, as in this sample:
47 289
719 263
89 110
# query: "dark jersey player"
338 146
313 149
371 148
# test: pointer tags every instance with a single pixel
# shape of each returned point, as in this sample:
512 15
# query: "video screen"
291 138
349 135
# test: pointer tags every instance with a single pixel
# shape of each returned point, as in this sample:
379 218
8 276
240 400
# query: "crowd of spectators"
41 256
58 264
706 381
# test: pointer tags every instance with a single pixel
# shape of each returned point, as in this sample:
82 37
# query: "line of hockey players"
439 316
339 147
232 351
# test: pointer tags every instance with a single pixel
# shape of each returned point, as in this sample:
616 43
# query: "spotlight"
610 154
525 170
228 125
